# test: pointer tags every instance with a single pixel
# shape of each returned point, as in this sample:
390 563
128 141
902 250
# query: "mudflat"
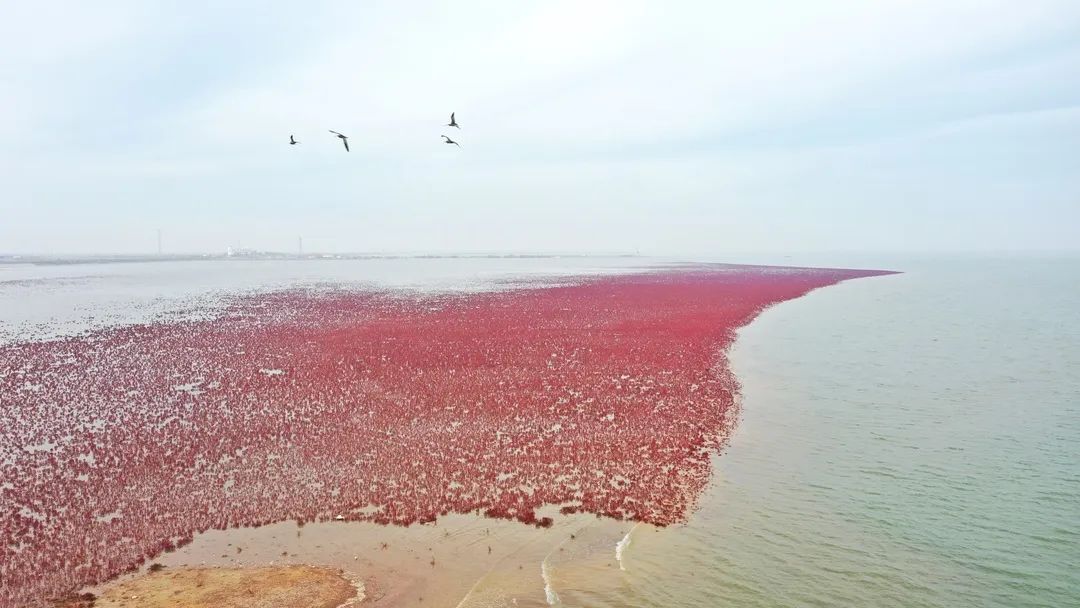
266 587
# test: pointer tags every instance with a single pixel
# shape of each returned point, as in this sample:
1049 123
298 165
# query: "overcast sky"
668 126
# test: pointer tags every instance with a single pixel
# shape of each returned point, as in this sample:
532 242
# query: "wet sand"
262 587
460 561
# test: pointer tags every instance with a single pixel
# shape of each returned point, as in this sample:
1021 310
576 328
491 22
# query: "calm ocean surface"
908 440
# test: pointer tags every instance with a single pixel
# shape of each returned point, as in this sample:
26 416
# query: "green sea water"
910 440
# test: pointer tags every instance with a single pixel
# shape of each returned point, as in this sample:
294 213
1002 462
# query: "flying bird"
344 139
450 141
292 141
452 123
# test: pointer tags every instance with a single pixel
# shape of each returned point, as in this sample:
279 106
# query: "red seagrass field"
605 395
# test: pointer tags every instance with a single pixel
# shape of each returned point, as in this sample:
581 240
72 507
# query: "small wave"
549 589
622 546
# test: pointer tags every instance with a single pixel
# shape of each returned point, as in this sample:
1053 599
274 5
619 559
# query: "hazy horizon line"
241 253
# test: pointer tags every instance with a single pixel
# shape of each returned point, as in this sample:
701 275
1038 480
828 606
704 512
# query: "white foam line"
498 563
549 590
623 545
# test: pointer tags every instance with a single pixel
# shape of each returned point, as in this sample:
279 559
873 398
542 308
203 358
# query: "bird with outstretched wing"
344 139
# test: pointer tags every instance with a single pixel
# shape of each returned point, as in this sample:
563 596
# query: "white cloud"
656 120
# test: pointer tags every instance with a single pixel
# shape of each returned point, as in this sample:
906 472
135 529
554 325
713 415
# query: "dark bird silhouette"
452 123
344 139
292 141
450 141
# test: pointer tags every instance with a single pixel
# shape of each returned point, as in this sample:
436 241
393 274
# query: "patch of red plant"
606 396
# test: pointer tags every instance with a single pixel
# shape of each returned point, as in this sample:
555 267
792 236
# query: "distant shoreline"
60 260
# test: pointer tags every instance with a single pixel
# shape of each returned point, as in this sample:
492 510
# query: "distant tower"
159 241
300 245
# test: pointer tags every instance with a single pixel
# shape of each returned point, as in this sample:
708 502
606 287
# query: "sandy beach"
256 587
461 560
